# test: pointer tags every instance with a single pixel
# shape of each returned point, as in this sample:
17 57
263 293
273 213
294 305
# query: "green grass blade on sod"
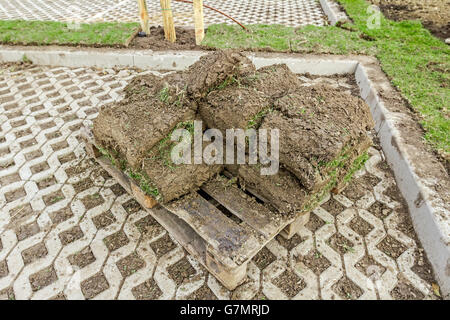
58 33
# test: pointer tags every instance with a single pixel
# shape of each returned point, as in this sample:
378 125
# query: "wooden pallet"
222 235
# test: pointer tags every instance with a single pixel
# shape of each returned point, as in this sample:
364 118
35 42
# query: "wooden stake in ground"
143 16
198 19
169 28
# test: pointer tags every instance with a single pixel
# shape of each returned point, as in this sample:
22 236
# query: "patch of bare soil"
156 41
347 289
434 14
34 253
16 66
116 240
315 261
82 258
203 293
71 235
163 245
7 294
148 290
232 107
290 283
94 285
3 269
181 271
263 258
130 264
43 278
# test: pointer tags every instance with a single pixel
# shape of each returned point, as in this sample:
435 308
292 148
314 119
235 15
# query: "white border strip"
333 12
429 213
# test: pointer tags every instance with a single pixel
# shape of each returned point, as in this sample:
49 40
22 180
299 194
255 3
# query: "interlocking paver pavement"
287 12
68 230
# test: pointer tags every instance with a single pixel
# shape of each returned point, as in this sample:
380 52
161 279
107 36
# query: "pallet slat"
181 231
253 213
229 241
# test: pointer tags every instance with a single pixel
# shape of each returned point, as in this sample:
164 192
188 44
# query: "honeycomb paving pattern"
69 231
287 12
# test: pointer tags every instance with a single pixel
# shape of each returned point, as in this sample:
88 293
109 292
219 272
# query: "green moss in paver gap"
416 62
50 32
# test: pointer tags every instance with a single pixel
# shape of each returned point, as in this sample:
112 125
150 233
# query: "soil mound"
215 70
323 133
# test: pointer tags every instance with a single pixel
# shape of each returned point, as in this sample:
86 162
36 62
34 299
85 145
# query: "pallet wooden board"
223 235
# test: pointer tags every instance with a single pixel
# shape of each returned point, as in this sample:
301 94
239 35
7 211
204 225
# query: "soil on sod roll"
232 107
319 129
174 180
273 81
323 133
243 101
215 71
131 127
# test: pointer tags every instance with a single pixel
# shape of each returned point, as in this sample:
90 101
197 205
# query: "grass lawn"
416 62
47 32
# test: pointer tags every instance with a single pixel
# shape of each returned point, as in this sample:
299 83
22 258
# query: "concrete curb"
425 191
168 60
416 171
333 12
76 58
